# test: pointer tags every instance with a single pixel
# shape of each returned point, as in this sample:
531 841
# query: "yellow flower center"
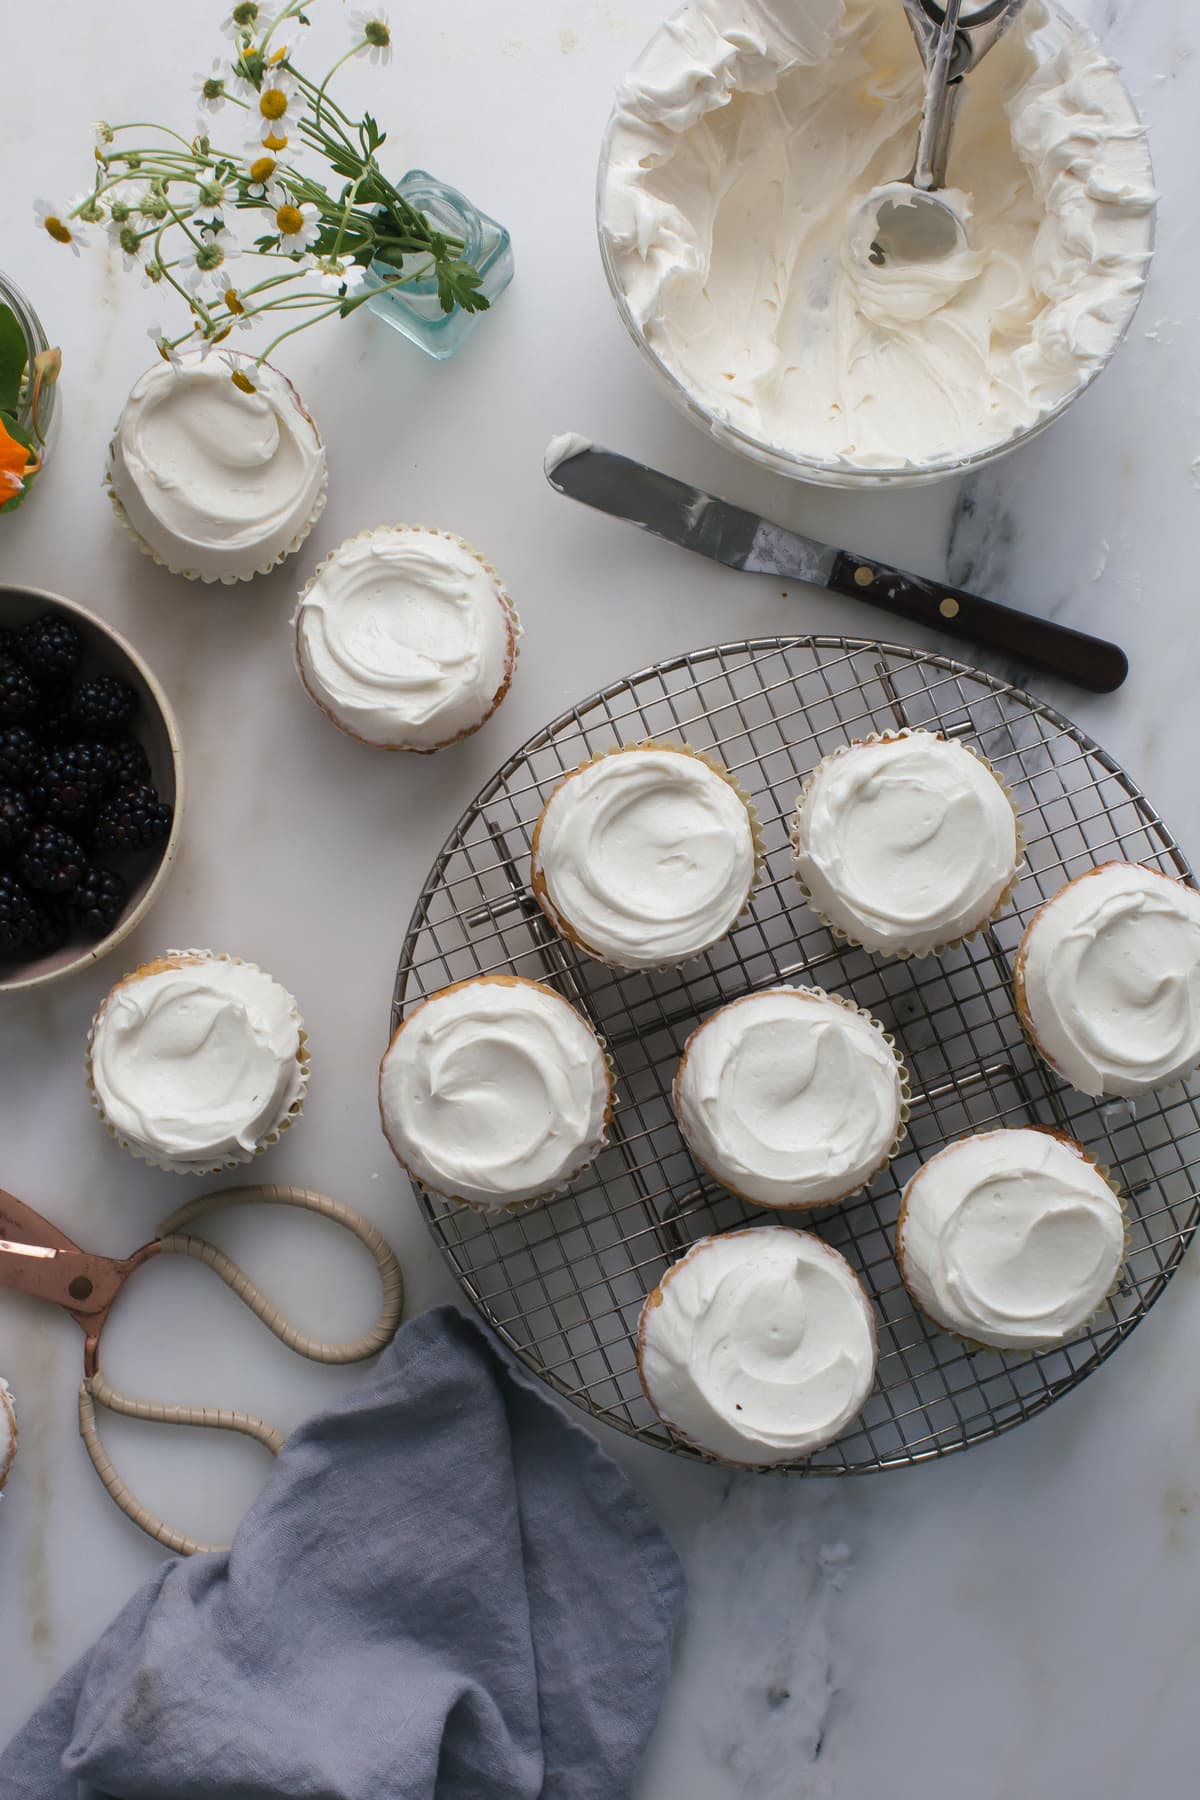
233 301
60 232
289 220
272 103
275 140
262 168
243 381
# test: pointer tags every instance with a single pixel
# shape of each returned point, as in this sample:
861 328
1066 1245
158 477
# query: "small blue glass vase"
414 309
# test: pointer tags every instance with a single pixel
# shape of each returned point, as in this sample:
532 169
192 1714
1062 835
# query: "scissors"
38 1259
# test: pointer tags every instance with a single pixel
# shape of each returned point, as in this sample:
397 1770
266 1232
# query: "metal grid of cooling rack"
564 1283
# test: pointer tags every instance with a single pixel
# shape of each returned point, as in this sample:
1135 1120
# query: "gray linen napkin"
446 1590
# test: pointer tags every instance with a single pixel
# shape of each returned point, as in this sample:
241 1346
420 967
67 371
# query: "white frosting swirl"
8 1431
197 1061
790 1097
494 1092
906 843
405 639
758 1346
1109 972
1011 1238
646 856
748 136
219 483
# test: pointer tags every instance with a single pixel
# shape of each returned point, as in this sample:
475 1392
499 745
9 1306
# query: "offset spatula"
728 534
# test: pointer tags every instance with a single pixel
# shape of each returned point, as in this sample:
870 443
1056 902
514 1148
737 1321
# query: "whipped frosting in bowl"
905 843
645 856
215 483
406 638
733 204
1011 1238
495 1092
758 1346
791 1097
196 1062
1107 980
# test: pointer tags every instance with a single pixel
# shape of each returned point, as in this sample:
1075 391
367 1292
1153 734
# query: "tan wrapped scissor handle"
172 1241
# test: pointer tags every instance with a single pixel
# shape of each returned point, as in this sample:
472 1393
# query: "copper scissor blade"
39 1260
22 1225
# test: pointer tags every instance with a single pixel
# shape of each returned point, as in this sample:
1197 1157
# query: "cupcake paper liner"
566 1182
538 882
229 1159
897 1144
1005 899
263 568
1081 1330
8 1412
654 1299
516 633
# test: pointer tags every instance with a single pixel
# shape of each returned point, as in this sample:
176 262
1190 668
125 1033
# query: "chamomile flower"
333 276
239 372
152 273
212 90
103 134
373 26
152 203
123 202
207 261
235 305
261 183
57 222
245 22
273 108
298 226
134 245
166 349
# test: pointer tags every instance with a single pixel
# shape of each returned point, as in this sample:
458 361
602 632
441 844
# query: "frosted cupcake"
197 1062
406 638
1107 980
906 843
215 483
645 856
791 1098
495 1092
758 1347
1010 1239
8 1432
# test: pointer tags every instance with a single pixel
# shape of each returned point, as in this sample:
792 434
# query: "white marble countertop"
1018 1623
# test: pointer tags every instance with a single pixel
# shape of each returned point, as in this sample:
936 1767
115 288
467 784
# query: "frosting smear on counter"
744 143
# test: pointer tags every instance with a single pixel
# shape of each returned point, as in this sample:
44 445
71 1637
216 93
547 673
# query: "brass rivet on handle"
948 607
864 576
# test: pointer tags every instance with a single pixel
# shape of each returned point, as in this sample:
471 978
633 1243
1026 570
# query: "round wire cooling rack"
564 1282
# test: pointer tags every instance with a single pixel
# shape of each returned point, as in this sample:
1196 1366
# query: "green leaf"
14 354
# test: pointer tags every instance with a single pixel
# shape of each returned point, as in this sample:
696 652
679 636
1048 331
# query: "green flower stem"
334 307
353 51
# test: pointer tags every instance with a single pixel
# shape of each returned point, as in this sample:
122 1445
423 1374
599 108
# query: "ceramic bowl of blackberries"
90 788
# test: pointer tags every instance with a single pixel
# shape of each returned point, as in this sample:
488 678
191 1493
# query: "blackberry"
55 722
16 820
98 902
103 705
8 645
16 915
49 927
52 861
49 647
73 778
130 764
18 695
20 756
134 819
